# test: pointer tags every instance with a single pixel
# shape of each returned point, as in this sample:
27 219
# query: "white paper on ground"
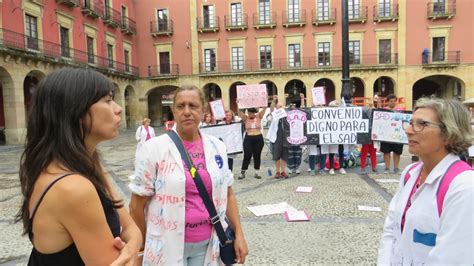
369 208
304 189
269 209
296 216
387 180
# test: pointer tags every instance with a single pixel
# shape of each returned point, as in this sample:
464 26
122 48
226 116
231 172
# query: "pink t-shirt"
198 226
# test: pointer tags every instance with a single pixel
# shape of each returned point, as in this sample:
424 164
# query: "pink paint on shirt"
197 223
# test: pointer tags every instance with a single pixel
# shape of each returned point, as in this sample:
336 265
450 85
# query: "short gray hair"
455 119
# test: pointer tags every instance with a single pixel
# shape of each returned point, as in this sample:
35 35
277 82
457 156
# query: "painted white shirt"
140 137
159 173
454 229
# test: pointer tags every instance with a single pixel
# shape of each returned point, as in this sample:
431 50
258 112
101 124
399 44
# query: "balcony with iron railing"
128 26
57 53
295 19
441 9
375 61
236 22
69 3
112 17
161 27
385 13
441 59
324 17
92 8
208 24
264 20
359 15
163 71
41 2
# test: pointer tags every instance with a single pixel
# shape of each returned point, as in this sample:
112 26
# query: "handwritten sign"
296 119
230 134
319 97
337 125
278 113
217 109
254 95
387 126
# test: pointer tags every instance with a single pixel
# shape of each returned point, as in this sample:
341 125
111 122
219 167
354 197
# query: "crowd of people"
74 216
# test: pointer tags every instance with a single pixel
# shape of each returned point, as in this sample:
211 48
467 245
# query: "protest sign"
217 109
296 119
278 113
319 96
254 95
387 126
230 134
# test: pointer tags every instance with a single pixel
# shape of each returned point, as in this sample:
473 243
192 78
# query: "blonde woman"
144 133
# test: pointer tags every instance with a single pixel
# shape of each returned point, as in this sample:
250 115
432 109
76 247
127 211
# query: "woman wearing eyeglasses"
430 219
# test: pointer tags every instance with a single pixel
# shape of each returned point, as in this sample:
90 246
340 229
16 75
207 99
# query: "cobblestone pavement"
337 234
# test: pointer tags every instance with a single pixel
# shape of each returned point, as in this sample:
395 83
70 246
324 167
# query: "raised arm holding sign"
254 95
217 109
319 97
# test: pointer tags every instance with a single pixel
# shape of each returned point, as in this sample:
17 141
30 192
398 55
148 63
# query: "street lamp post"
346 87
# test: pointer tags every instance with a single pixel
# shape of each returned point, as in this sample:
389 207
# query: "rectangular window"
237 58
108 9
266 56
439 6
324 54
110 55
87 3
210 59
31 32
126 59
438 49
208 16
354 9
165 63
354 52
293 11
90 50
236 14
162 20
64 32
294 55
323 10
385 51
264 12
384 8
124 16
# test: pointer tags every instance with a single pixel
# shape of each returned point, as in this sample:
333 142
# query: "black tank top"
70 255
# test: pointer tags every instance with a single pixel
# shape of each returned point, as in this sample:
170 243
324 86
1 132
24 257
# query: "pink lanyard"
414 189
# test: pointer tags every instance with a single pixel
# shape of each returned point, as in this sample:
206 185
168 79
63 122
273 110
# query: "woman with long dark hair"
70 211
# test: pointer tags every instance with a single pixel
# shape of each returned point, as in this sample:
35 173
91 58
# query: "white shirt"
453 230
159 173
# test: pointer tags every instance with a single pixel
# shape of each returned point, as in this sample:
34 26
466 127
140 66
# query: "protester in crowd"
253 140
370 147
70 210
294 151
207 120
387 148
430 218
165 201
143 133
328 150
276 135
229 119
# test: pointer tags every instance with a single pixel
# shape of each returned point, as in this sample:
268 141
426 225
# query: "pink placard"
254 95
319 97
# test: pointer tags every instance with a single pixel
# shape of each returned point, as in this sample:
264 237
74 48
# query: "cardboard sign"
230 134
254 95
387 126
217 109
269 209
319 96
296 216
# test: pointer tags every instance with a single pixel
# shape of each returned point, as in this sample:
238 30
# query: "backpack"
453 170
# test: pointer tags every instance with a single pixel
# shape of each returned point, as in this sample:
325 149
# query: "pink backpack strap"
453 170
407 175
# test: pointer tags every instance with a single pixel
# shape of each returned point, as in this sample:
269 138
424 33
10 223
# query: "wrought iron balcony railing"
92 8
294 19
324 17
161 27
385 12
441 9
163 70
112 17
208 24
236 22
358 15
69 3
128 25
441 58
263 21
48 50
305 63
